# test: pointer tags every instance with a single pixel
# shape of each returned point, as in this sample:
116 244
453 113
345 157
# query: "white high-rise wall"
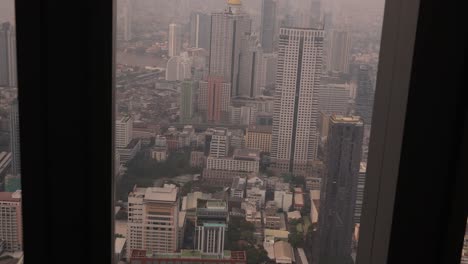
295 115
175 40
123 131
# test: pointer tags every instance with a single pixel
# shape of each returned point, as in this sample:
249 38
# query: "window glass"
242 128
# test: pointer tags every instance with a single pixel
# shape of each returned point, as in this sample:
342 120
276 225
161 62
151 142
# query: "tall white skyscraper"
15 139
175 40
127 20
228 28
123 131
295 115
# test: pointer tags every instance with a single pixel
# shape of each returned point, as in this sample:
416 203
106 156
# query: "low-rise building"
258 137
187 257
238 187
129 152
197 159
159 153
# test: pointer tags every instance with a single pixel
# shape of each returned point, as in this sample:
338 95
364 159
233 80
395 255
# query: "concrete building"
268 25
228 28
159 153
223 178
187 96
245 160
127 16
256 194
8 77
188 257
334 98
268 70
5 163
214 99
295 134
197 159
361 183
338 54
283 199
178 68
129 152
242 115
220 143
258 137
238 187
250 63
284 253
313 183
150 208
211 226
15 139
336 222
314 206
175 40
200 29
11 221
123 131
364 94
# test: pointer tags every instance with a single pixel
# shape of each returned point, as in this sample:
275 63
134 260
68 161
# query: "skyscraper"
315 13
268 25
200 26
364 94
338 51
295 114
123 131
153 219
228 28
15 139
360 192
214 99
175 40
336 218
127 20
7 55
250 67
186 101
211 226
11 221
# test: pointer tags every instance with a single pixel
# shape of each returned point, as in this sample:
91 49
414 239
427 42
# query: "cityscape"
241 133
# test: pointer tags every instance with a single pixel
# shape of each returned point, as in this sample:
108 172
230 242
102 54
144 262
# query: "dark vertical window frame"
415 199
65 76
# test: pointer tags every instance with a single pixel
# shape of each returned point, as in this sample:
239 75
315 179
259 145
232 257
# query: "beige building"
11 221
258 137
149 209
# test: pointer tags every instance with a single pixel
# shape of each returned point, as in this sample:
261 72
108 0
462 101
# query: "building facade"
364 94
8 76
186 101
295 134
175 40
150 209
228 28
11 221
211 226
15 139
214 99
123 131
338 54
336 217
200 27
268 25
258 137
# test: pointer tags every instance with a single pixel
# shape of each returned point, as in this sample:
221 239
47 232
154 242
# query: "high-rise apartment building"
220 143
153 219
123 131
228 28
127 20
11 220
175 40
211 225
268 70
258 137
15 139
338 53
361 183
336 217
7 55
268 25
214 99
186 101
315 13
178 68
295 134
200 26
250 64
334 98
364 94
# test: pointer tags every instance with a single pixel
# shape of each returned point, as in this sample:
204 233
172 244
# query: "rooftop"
166 194
346 119
245 153
189 254
260 129
10 196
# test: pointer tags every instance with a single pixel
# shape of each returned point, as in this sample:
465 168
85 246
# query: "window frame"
92 26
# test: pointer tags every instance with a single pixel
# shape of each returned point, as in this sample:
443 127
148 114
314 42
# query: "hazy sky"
6 10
